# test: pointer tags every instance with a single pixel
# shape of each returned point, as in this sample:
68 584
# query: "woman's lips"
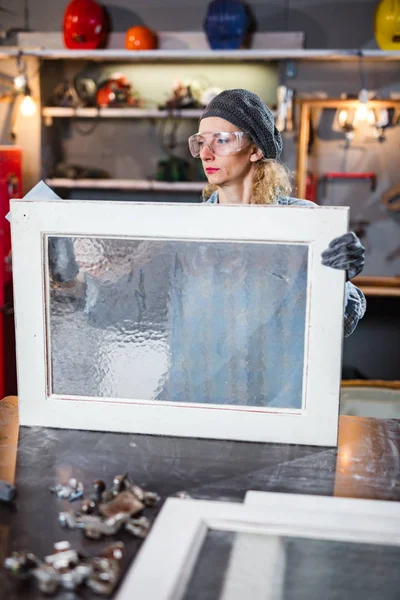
211 170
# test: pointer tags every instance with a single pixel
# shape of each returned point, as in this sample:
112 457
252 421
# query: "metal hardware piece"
70 491
124 502
138 527
67 568
110 509
8 492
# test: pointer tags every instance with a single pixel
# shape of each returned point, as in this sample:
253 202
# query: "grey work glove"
345 252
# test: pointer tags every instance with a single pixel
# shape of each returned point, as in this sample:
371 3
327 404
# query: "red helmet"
84 25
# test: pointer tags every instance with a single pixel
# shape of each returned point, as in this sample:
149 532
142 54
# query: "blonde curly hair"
271 180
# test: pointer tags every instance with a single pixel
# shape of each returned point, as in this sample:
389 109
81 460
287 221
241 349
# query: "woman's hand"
345 252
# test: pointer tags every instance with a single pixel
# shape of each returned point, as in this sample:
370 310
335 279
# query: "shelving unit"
50 112
199 55
128 184
119 113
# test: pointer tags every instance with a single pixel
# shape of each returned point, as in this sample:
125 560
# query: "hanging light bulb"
28 105
362 109
20 82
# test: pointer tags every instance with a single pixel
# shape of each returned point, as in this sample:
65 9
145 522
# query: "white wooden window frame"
256 500
33 221
165 563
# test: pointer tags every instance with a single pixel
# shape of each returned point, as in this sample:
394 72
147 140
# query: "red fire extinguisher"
2 309
10 187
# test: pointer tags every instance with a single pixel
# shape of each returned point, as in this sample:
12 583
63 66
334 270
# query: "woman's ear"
256 154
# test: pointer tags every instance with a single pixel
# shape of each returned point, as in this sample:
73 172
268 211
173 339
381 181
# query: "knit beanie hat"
248 112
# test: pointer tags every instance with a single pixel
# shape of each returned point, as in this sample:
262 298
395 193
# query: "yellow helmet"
387 24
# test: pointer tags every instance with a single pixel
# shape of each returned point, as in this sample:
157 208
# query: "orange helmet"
140 38
84 25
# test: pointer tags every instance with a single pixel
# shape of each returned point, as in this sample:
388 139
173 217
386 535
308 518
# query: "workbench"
366 464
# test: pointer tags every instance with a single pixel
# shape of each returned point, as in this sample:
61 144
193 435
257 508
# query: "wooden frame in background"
371 286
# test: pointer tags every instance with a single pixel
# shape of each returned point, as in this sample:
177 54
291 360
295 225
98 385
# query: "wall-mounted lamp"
381 121
345 121
348 119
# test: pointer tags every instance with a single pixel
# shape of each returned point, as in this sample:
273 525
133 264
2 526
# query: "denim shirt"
355 303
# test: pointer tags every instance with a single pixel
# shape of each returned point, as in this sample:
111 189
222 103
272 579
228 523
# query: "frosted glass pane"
182 321
233 566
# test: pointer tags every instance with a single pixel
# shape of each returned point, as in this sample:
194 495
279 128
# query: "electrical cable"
7 33
168 141
26 15
94 124
6 10
286 11
362 70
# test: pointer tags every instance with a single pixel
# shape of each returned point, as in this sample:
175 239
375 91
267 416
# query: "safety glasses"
221 143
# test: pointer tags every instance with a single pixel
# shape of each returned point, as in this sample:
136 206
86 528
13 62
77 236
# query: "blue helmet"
226 24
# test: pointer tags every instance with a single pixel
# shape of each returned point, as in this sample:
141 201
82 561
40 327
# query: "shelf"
50 112
374 281
128 184
348 103
372 383
250 55
380 291
378 286
119 113
190 46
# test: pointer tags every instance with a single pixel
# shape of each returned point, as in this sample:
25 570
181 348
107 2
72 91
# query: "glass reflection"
183 321
233 566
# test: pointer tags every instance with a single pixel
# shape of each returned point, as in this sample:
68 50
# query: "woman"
239 146
207 323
